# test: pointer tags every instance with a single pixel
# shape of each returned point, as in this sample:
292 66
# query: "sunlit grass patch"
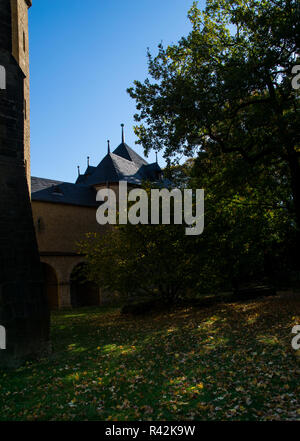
217 363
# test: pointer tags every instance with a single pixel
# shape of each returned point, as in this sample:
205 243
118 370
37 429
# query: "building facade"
64 212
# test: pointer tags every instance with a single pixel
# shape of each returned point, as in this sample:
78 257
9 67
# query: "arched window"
83 292
51 285
2 77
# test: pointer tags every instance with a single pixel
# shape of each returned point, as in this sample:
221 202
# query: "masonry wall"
23 307
60 226
20 50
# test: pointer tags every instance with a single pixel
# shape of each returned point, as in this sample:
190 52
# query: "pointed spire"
156 157
78 168
108 146
123 137
88 161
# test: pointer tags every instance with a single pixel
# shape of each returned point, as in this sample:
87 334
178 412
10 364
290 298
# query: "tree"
226 88
142 260
245 236
248 235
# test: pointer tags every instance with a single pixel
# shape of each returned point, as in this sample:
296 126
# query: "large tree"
226 88
247 237
141 260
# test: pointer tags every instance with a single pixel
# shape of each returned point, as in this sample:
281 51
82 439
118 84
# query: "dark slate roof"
90 169
82 178
126 152
150 171
48 190
114 168
124 164
38 184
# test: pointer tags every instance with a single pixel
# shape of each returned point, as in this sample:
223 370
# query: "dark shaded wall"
5 26
23 306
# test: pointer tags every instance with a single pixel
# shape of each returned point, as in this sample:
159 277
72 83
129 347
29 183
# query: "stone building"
64 212
23 307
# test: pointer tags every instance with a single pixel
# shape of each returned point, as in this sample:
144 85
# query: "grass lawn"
227 362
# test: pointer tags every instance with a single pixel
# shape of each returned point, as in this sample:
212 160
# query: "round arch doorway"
51 285
83 292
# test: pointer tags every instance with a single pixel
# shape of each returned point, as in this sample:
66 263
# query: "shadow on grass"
228 361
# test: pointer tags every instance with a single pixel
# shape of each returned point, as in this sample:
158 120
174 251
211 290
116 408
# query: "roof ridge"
133 155
49 179
124 159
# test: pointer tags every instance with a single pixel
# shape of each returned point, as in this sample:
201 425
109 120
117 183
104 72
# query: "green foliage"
226 88
224 92
143 260
246 219
247 226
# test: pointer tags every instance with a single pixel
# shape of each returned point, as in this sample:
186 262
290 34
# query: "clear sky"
84 54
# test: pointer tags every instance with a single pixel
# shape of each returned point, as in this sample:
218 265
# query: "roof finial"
88 161
123 137
78 168
156 157
108 146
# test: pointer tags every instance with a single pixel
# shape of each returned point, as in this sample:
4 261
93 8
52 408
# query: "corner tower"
24 312
20 51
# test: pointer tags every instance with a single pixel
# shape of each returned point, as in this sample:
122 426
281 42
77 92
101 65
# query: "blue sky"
84 54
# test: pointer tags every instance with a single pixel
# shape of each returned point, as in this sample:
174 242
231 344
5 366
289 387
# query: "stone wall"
23 306
59 227
20 50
